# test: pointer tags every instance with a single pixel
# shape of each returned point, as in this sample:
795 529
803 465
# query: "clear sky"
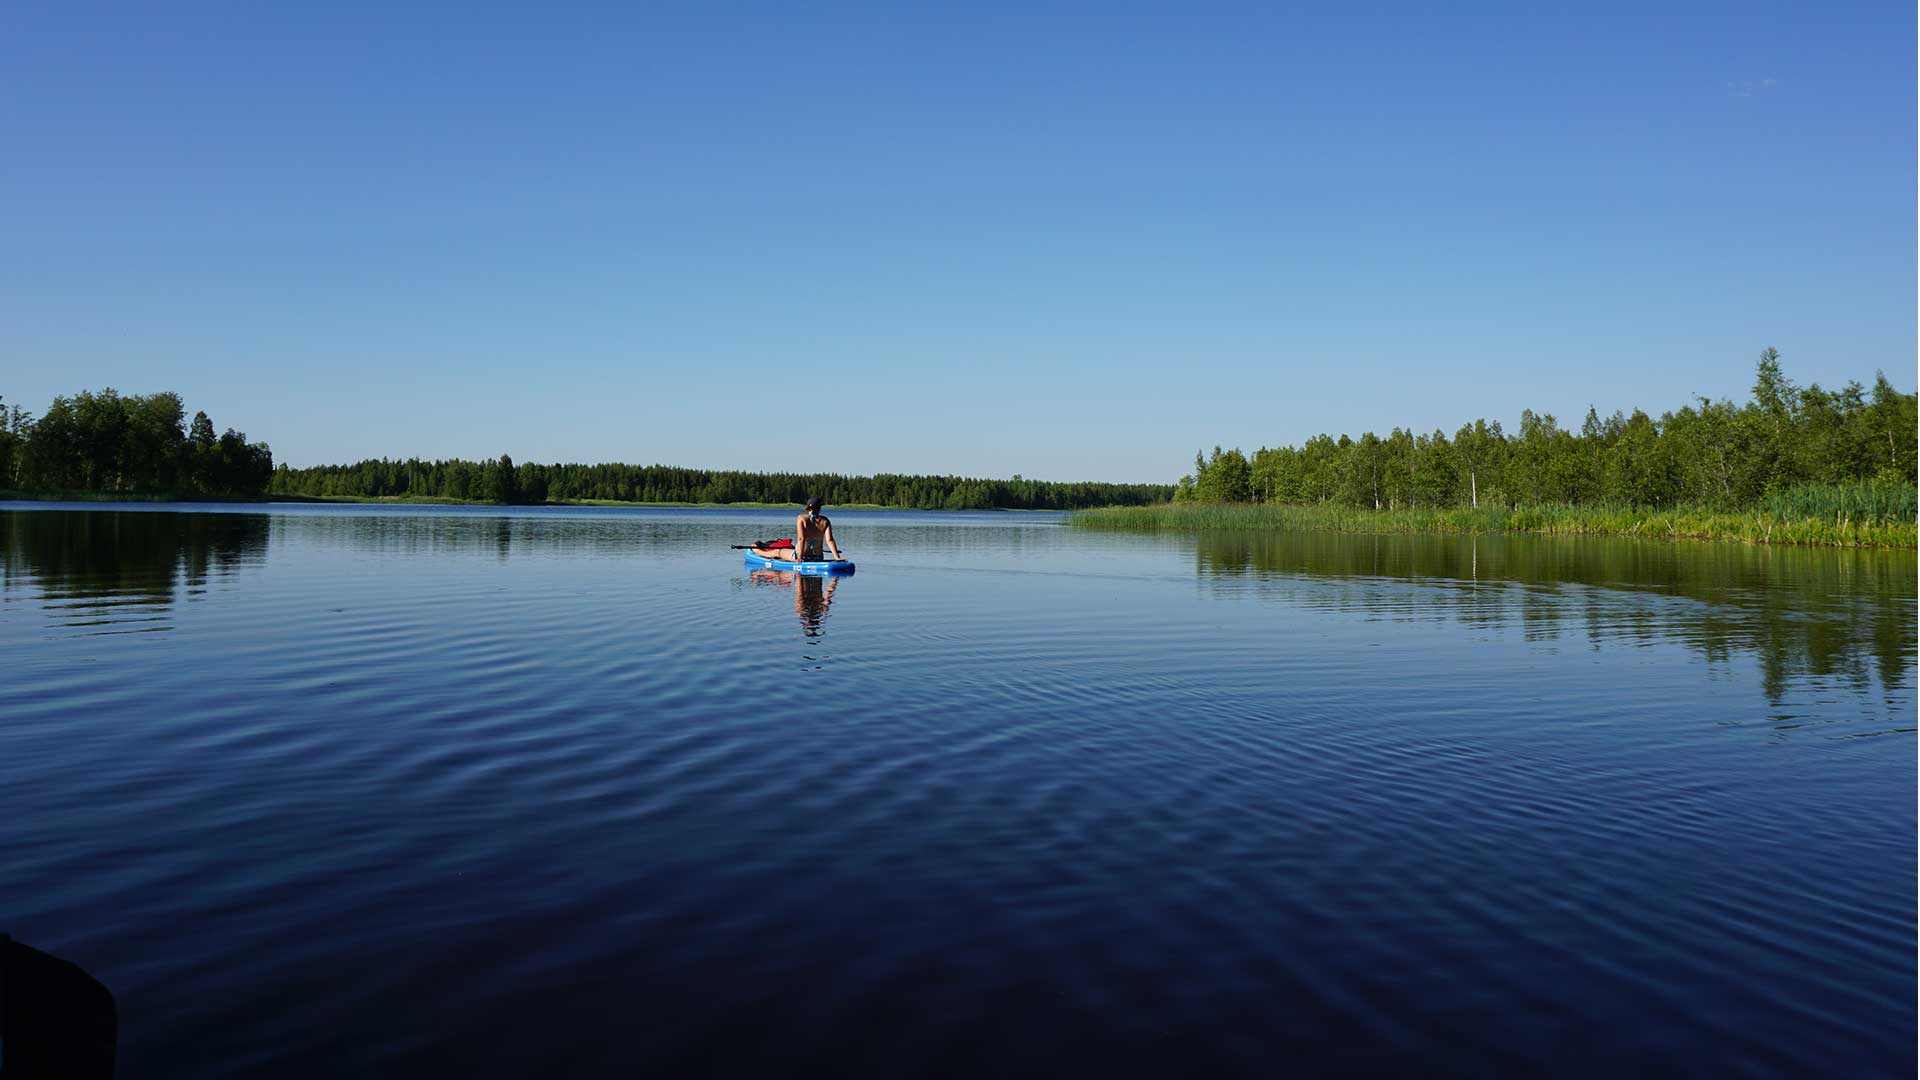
1072 242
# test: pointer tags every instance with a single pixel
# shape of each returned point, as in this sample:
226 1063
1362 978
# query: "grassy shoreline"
1683 523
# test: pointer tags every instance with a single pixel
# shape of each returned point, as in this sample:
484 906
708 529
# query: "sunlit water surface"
416 791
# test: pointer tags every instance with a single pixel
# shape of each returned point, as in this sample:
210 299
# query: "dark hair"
813 503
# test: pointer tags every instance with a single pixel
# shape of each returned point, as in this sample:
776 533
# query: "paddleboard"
815 567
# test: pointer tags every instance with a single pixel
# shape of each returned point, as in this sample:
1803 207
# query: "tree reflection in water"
113 567
1842 616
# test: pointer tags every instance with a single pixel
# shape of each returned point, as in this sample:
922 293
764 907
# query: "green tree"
1887 429
1637 468
1278 476
1225 477
458 479
1321 463
503 482
155 446
202 453
1479 448
1772 393
1769 427
1436 472
1363 465
1528 475
55 455
1714 445
1399 469
10 447
100 422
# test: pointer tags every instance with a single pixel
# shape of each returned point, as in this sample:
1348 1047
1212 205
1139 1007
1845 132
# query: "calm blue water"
413 791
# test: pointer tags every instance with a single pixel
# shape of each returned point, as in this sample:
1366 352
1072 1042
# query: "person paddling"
811 531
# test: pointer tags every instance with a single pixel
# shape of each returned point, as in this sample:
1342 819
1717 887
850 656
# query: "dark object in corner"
55 1019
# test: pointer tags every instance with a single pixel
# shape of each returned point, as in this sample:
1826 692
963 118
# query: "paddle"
842 557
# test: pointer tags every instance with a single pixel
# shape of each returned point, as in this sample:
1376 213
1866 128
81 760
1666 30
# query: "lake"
340 790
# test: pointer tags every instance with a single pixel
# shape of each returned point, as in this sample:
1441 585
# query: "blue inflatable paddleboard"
817 567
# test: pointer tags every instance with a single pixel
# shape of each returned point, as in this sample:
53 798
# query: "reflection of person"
811 598
811 531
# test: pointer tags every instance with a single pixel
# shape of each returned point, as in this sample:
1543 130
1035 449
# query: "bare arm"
832 545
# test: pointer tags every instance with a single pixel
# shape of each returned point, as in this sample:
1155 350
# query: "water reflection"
1843 617
503 536
121 569
812 596
499 535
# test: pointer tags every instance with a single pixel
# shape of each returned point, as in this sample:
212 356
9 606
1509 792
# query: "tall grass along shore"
1842 516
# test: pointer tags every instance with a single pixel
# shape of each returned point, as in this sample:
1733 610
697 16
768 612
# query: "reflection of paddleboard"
816 566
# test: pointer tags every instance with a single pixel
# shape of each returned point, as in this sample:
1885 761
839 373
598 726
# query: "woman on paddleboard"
811 531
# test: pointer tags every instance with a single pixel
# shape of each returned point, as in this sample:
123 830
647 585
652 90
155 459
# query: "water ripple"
426 792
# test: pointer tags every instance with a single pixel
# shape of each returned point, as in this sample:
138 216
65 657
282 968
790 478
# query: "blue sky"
1072 242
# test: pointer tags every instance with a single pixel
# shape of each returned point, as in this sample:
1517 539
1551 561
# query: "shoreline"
84 497
1752 527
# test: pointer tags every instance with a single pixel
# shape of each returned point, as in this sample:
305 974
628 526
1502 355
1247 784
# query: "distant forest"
112 443
116 444
1711 453
504 482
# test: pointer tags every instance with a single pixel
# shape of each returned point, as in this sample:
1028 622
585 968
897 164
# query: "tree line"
113 443
1710 453
502 481
116 443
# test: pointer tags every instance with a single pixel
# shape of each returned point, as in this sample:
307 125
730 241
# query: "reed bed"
1869 500
1842 528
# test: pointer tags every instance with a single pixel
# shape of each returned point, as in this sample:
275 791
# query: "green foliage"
499 483
115 444
1712 455
503 481
1867 501
16 426
1225 477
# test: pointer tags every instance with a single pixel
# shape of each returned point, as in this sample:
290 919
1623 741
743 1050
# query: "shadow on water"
1844 616
105 566
55 1019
